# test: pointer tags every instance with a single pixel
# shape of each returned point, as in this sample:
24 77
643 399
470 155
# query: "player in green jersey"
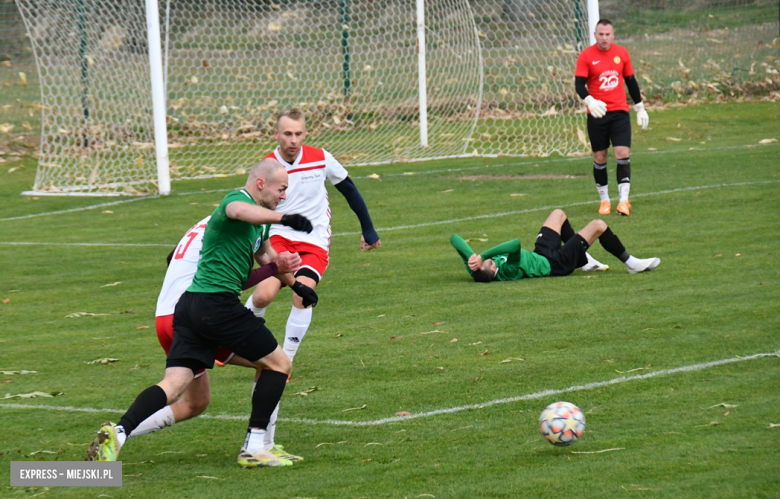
210 315
509 262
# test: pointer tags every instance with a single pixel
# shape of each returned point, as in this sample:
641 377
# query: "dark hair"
483 276
604 22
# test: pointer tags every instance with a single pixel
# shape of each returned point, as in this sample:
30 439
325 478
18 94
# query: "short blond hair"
294 114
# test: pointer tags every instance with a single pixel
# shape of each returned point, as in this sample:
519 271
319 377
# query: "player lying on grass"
209 315
182 265
508 262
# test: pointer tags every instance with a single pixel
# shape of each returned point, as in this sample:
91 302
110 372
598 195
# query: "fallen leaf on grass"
722 404
107 212
6 300
598 451
104 360
81 314
395 337
673 139
485 352
477 343
171 452
382 315
355 408
142 327
432 332
8 381
201 455
634 488
41 452
632 370
510 360
440 368
480 239
307 391
726 413
738 254
112 284
18 372
454 340
403 413
774 425
209 477
448 190
32 395
767 141
339 335
517 195
372 443
437 323
373 175
324 443
426 495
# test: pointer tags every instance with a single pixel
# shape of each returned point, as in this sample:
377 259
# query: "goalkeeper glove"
305 292
297 222
597 108
642 119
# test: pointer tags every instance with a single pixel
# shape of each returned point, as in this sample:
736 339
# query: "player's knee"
262 300
559 213
598 226
198 406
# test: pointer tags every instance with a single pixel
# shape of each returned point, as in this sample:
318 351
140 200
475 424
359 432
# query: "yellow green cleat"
261 459
278 451
105 447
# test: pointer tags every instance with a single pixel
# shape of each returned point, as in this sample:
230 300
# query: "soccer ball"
562 423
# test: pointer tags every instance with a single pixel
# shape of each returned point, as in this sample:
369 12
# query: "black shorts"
615 127
563 259
203 322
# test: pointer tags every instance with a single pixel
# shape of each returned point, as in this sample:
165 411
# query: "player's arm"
463 249
596 107
369 238
511 248
642 119
257 215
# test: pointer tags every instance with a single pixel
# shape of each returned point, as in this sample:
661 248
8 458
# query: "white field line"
451 410
440 222
428 172
552 207
72 210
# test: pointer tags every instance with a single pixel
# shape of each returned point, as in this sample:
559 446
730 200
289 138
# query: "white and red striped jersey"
182 269
307 195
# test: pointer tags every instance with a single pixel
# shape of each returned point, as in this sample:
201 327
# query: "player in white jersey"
308 168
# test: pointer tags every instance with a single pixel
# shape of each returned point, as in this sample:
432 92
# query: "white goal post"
128 106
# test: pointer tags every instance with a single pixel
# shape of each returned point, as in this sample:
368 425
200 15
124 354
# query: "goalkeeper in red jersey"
558 252
601 70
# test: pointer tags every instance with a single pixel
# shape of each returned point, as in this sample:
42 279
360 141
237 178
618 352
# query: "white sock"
631 262
271 430
121 436
603 192
157 421
259 312
297 325
623 190
254 440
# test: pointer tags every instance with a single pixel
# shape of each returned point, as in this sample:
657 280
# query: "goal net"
499 81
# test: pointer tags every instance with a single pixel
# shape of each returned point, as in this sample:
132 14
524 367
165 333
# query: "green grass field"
707 205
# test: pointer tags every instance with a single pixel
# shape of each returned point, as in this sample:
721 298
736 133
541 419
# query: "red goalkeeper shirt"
605 71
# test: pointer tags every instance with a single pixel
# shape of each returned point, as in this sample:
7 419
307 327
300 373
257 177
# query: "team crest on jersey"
257 244
609 80
617 59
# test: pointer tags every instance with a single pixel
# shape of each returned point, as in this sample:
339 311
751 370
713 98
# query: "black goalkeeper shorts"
615 127
203 322
563 259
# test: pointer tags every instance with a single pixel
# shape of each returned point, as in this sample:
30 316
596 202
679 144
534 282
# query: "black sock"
566 231
268 392
146 403
611 243
623 171
600 174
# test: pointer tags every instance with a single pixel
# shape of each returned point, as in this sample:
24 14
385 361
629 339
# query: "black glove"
305 292
297 222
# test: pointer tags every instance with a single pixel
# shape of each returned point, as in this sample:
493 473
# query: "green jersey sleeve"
463 249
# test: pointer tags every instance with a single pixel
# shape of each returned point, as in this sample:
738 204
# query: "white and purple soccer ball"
562 423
